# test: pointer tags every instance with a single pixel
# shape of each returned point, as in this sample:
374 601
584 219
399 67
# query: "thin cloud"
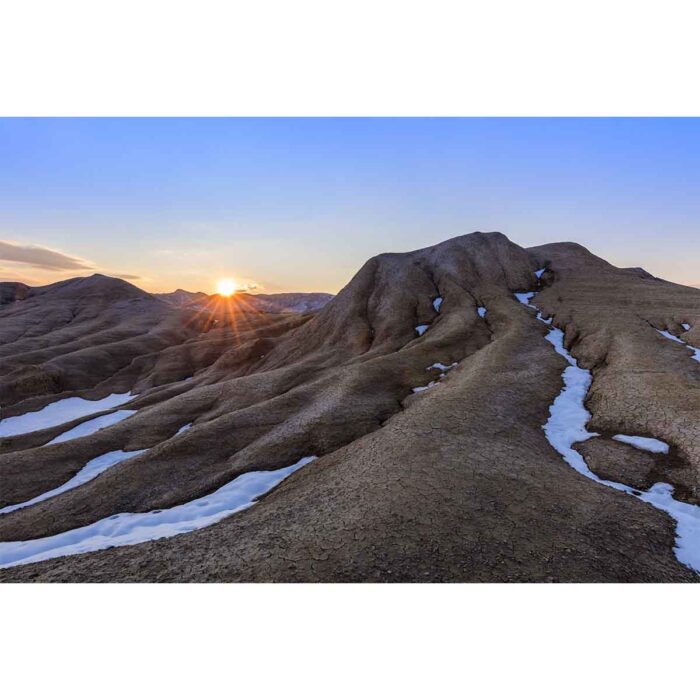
40 257
123 276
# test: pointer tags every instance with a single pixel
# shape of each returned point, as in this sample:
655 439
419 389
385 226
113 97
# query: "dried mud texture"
457 483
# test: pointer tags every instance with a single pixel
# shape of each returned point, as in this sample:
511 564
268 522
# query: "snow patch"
440 366
184 429
59 412
539 273
92 469
686 326
524 298
437 303
421 329
132 528
481 311
418 389
644 443
670 336
568 415
92 426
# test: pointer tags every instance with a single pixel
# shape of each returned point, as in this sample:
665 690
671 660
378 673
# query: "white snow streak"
92 426
440 366
421 329
59 412
418 389
92 469
670 336
644 443
524 298
686 326
183 429
539 273
132 528
568 415
443 373
437 303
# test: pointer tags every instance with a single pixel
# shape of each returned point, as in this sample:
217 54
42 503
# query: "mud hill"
420 390
289 302
181 297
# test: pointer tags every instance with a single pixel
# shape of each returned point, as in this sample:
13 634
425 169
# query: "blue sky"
300 204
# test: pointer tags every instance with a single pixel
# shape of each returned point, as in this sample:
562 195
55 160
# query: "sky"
300 204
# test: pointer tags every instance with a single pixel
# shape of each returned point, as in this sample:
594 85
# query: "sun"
226 287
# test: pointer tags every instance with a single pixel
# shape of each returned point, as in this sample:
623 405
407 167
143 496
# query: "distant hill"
181 297
291 302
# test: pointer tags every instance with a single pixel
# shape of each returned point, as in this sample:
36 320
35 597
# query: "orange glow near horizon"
226 286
